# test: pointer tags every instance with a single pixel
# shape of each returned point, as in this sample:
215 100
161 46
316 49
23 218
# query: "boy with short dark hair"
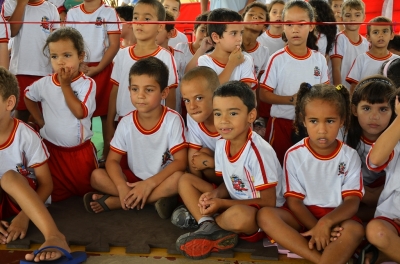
394 45
227 59
348 43
125 14
153 139
370 62
251 180
174 6
25 179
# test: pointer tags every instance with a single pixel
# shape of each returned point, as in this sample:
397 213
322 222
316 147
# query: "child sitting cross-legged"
153 138
251 174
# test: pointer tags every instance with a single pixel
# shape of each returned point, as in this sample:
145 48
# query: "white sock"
205 218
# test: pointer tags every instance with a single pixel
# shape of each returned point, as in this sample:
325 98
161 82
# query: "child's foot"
50 254
182 218
165 206
208 238
97 202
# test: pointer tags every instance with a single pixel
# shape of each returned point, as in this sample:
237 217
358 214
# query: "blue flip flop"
68 258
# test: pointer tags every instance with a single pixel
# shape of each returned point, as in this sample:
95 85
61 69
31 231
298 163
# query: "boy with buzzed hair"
251 180
119 103
174 6
370 62
348 43
153 139
227 59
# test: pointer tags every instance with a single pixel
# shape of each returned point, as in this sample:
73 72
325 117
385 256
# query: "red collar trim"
272 36
367 141
379 58
133 56
308 54
217 62
237 155
37 3
155 128
56 82
354 43
255 48
11 137
208 132
82 7
323 157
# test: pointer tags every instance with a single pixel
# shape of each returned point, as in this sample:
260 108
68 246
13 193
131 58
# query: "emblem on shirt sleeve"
166 159
21 169
238 184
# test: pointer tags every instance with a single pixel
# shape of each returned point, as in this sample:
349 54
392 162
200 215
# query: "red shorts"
23 82
279 135
103 89
257 236
71 169
130 176
389 221
7 206
264 110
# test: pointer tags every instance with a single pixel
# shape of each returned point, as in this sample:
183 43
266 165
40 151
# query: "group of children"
328 114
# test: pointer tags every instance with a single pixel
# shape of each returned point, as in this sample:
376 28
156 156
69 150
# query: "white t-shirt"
57 3
149 151
322 181
363 150
5 32
253 169
272 42
199 136
178 37
27 50
260 55
95 35
322 43
187 49
123 62
347 51
244 72
23 150
285 72
61 127
388 203
366 65
235 5
180 66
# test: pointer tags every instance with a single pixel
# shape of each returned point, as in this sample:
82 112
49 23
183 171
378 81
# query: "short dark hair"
8 85
125 12
379 19
221 15
237 89
391 70
353 4
169 17
259 5
153 67
200 18
395 43
179 1
270 5
159 8
208 74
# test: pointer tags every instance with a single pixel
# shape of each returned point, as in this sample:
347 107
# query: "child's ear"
312 27
165 93
11 103
251 116
354 110
82 56
161 27
215 37
170 34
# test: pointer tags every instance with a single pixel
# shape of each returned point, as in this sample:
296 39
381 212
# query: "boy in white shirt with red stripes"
174 7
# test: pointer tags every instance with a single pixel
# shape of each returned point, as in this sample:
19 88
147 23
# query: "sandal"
368 249
87 199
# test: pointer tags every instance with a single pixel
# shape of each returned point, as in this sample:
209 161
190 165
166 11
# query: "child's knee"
9 179
262 216
240 217
377 233
97 177
184 180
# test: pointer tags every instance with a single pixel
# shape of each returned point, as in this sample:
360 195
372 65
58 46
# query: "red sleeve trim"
117 150
218 173
4 40
178 147
266 186
36 165
61 9
114 32
114 82
194 146
336 56
173 86
383 166
295 194
352 193
350 80
85 110
266 87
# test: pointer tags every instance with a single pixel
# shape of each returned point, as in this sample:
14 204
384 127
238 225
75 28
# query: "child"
326 33
119 103
323 182
25 179
4 39
336 6
227 59
174 6
251 180
193 50
286 69
153 139
369 63
384 230
272 38
27 62
372 113
349 43
68 102
394 45
103 42
391 69
125 14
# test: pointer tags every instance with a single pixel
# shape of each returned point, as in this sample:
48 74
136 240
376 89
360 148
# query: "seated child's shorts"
7 206
257 236
390 221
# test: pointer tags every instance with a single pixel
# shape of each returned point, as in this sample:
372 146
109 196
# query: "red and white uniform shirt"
198 136
322 181
123 62
187 49
244 72
389 201
366 65
149 151
368 175
27 51
253 169
322 43
95 35
260 55
286 71
272 42
5 32
61 127
23 151
348 51
178 37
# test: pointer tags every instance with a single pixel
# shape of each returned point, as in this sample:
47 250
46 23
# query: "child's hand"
92 71
320 236
206 44
17 228
137 197
207 196
210 207
65 76
236 57
336 232
3 232
123 192
200 160
83 67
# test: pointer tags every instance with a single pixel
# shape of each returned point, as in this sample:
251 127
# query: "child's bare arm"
18 15
301 212
386 142
235 59
202 160
33 108
73 103
108 55
4 55
271 98
352 88
170 101
205 45
336 70
110 126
